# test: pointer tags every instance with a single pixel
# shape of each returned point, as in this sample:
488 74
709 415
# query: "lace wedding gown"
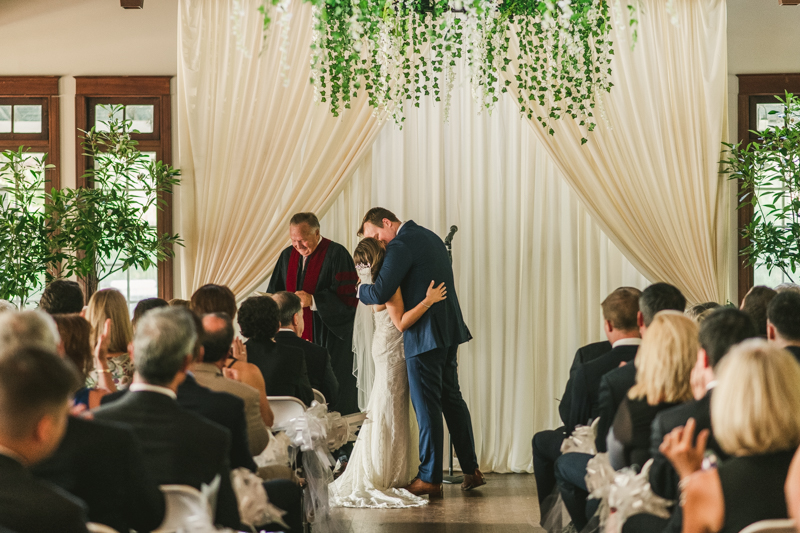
386 453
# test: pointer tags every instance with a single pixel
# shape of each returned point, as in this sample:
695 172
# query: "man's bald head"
218 336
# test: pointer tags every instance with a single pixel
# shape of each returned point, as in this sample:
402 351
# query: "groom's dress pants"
433 383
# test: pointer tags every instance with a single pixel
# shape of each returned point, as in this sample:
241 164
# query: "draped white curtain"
531 267
649 173
253 151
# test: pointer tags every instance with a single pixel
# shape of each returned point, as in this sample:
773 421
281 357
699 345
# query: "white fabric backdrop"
531 267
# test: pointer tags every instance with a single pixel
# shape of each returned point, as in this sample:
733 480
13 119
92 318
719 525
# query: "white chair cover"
771 526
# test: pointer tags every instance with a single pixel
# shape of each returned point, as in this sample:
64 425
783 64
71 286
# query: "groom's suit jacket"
414 258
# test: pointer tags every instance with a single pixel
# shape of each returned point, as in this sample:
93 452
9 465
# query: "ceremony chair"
771 526
285 408
320 397
184 504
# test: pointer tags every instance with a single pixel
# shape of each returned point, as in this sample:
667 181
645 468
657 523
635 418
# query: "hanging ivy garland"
398 51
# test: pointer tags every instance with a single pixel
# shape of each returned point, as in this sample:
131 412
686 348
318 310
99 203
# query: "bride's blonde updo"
370 252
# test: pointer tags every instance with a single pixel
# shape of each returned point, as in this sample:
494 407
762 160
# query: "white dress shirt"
629 341
139 387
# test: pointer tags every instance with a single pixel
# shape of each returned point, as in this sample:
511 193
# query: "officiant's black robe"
330 276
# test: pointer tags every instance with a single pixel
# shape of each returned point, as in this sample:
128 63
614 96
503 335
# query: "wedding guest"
110 304
792 287
62 296
284 367
755 304
35 390
29 328
620 309
212 298
144 306
6 306
722 330
783 322
209 373
180 447
177 302
755 412
663 367
699 312
75 332
616 383
322 273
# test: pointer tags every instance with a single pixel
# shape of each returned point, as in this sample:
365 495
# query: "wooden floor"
507 504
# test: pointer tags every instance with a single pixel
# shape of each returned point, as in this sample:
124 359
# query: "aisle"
507 504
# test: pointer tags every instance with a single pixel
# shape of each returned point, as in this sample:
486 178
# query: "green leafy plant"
25 226
400 50
769 175
103 228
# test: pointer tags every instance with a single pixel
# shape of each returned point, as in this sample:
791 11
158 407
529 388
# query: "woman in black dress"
755 412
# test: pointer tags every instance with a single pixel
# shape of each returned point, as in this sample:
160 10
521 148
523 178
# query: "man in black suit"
570 469
283 367
180 447
719 332
102 464
619 309
225 409
35 391
318 361
783 322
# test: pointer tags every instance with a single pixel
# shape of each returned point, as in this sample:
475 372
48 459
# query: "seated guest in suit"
619 311
144 306
180 447
208 373
283 367
210 299
62 296
783 322
225 409
290 334
663 368
110 304
754 412
719 332
102 464
615 384
35 391
755 304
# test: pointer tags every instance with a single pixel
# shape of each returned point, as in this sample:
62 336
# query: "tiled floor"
506 504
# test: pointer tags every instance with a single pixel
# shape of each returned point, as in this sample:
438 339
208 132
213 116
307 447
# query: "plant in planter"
25 226
769 175
103 228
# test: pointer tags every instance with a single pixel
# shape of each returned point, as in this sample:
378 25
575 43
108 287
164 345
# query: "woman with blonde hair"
755 412
664 365
110 304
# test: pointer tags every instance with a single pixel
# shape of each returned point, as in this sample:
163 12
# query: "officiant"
322 273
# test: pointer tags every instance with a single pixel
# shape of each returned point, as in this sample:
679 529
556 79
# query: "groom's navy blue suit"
414 258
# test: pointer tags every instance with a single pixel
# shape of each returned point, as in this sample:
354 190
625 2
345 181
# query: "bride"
386 454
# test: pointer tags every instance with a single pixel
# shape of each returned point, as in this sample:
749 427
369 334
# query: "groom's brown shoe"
473 481
419 488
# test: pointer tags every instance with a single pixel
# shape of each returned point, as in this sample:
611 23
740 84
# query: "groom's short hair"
375 217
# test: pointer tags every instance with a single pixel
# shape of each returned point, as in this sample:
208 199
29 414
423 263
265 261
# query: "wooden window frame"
91 90
16 90
755 88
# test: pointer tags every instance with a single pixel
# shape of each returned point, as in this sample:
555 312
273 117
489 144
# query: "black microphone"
449 239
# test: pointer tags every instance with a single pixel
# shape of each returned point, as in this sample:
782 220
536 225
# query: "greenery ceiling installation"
555 55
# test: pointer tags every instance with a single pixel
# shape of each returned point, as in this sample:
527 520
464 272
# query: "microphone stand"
450 479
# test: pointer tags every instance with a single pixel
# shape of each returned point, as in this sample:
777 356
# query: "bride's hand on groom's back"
435 294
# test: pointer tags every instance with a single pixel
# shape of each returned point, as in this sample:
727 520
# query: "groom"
414 257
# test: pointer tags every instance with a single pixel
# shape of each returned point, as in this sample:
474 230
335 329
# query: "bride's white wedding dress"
386 454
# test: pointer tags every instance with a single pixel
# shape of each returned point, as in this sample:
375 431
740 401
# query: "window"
29 118
146 102
756 99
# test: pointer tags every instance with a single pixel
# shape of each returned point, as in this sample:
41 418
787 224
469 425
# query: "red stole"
313 268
